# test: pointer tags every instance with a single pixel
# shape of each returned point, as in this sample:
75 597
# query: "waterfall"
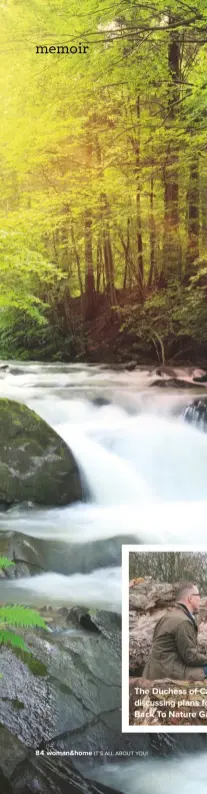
146 470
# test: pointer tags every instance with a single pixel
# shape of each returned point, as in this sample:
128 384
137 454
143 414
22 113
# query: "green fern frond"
21 616
5 562
8 638
16 615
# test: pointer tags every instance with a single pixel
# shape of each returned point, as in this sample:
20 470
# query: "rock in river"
196 413
35 463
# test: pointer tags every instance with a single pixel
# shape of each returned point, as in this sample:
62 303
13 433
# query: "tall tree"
171 267
193 199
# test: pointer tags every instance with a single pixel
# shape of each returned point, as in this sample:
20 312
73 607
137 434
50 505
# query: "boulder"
66 695
69 689
66 698
196 413
13 752
167 371
46 775
201 378
36 465
23 554
35 555
176 383
100 401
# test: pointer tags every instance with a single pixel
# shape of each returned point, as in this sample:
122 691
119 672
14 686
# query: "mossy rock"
36 465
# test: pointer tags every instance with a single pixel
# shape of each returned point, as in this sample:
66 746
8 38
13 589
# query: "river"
183 776
145 470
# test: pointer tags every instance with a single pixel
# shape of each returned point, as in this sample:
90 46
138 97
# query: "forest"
103 227
169 566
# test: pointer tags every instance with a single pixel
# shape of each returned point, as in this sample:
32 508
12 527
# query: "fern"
9 638
21 616
15 615
5 563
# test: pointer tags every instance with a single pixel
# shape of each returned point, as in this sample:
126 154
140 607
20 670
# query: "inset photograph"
164 639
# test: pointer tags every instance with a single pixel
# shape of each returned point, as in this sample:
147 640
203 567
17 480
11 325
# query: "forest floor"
106 343
113 331
134 333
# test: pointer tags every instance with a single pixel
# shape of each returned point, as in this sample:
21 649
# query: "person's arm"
187 647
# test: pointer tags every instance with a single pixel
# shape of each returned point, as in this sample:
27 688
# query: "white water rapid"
145 469
99 589
180 776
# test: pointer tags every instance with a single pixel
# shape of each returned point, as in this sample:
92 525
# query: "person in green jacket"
174 652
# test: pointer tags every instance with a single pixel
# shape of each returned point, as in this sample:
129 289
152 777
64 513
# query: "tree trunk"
77 258
192 252
140 263
107 249
88 222
127 270
64 248
152 235
171 255
203 193
89 277
99 265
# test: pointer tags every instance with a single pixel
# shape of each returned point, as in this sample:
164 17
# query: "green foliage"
21 616
22 271
5 562
25 338
15 615
9 638
90 144
174 314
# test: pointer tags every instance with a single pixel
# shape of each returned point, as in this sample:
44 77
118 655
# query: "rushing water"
183 776
146 473
145 469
